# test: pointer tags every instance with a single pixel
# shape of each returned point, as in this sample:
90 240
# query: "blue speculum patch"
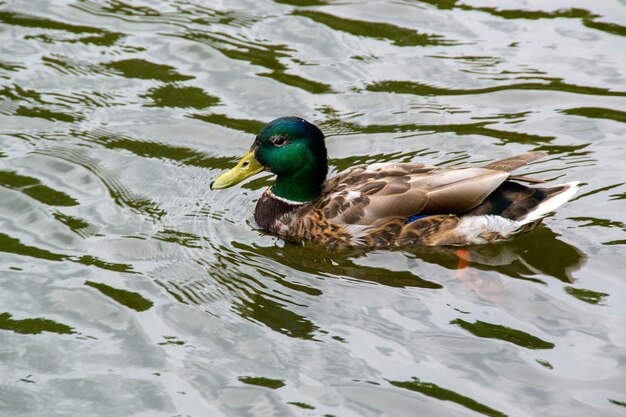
417 217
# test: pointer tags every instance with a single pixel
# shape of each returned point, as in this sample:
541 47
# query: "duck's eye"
279 140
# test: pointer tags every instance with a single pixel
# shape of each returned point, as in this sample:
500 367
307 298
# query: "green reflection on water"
597 113
435 391
244 125
458 129
179 96
15 92
588 296
259 53
496 331
163 151
399 35
188 240
255 298
33 326
171 340
146 70
98 37
33 188
551 84
111 266
572 13
74 223
616 402
262 381
612 28
127 298
263 310
544 363
341 164
11 66
11 245
301 405
25 20
106 39
142 205
595 221
303 2
120 7
320 261
47 114
588 19
313 87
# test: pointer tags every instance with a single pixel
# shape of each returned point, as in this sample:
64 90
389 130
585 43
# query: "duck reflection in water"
528 257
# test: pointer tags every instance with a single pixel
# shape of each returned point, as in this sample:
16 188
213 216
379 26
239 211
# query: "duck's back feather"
367 194
514 162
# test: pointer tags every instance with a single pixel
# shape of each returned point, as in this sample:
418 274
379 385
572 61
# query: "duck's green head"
291 148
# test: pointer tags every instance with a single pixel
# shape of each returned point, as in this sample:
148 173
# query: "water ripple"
116 115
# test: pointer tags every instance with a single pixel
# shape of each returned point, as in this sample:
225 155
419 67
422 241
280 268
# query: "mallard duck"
387 204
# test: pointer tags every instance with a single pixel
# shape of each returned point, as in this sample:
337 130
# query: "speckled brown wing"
368 195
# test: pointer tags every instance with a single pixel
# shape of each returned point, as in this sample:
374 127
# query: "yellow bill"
247 167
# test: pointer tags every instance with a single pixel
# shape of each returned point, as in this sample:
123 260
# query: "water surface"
128 288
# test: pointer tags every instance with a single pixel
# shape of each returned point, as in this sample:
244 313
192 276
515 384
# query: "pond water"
128 288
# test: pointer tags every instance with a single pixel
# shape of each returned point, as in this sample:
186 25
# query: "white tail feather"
476 229
551 203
